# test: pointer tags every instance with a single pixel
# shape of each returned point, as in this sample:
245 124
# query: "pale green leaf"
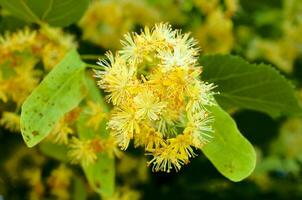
100 175
56 151
9 23
250 86
53 12
60 92
231 153
78 190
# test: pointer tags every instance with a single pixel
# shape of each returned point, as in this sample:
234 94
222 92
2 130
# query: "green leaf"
250 86
60 92
229 151
54 12
100 175
9 23
78 190
56 151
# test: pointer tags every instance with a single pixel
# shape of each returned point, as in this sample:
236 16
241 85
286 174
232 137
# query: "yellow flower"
207 6
149 138
34 178
110 147
124 193
148 105
129 165
59 182
20 41
116 18
231 7
97 115
10 121
175 154
124 123
48 44
61 132
21 82
55 44
82 151
280 52
3 88
216 33
117 78
199 126
149 82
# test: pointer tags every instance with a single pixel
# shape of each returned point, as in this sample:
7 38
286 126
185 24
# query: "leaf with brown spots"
59 92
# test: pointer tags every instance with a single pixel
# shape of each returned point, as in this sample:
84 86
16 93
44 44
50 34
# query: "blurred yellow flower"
125 193
59 182
105 22
10 121
215 35
97 115
281 52
82 151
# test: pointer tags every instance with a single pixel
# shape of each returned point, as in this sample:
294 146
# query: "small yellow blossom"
24 81
11 166
149 138
177 152
10 121
129 165
110 147
125 193
207 6
106 28
124 123
231 7
21 41
285 49
59 182
55 43
82 151
34 178
216 33
281 53
117 79
148 105
48 44
159 101
97 115
61 132
85 151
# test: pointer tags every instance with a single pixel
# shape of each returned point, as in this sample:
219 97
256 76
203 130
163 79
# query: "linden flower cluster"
157 96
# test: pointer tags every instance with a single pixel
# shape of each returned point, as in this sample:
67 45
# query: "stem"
91 57
97 67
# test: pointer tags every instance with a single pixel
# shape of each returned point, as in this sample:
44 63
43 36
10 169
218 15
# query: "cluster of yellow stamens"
158 98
